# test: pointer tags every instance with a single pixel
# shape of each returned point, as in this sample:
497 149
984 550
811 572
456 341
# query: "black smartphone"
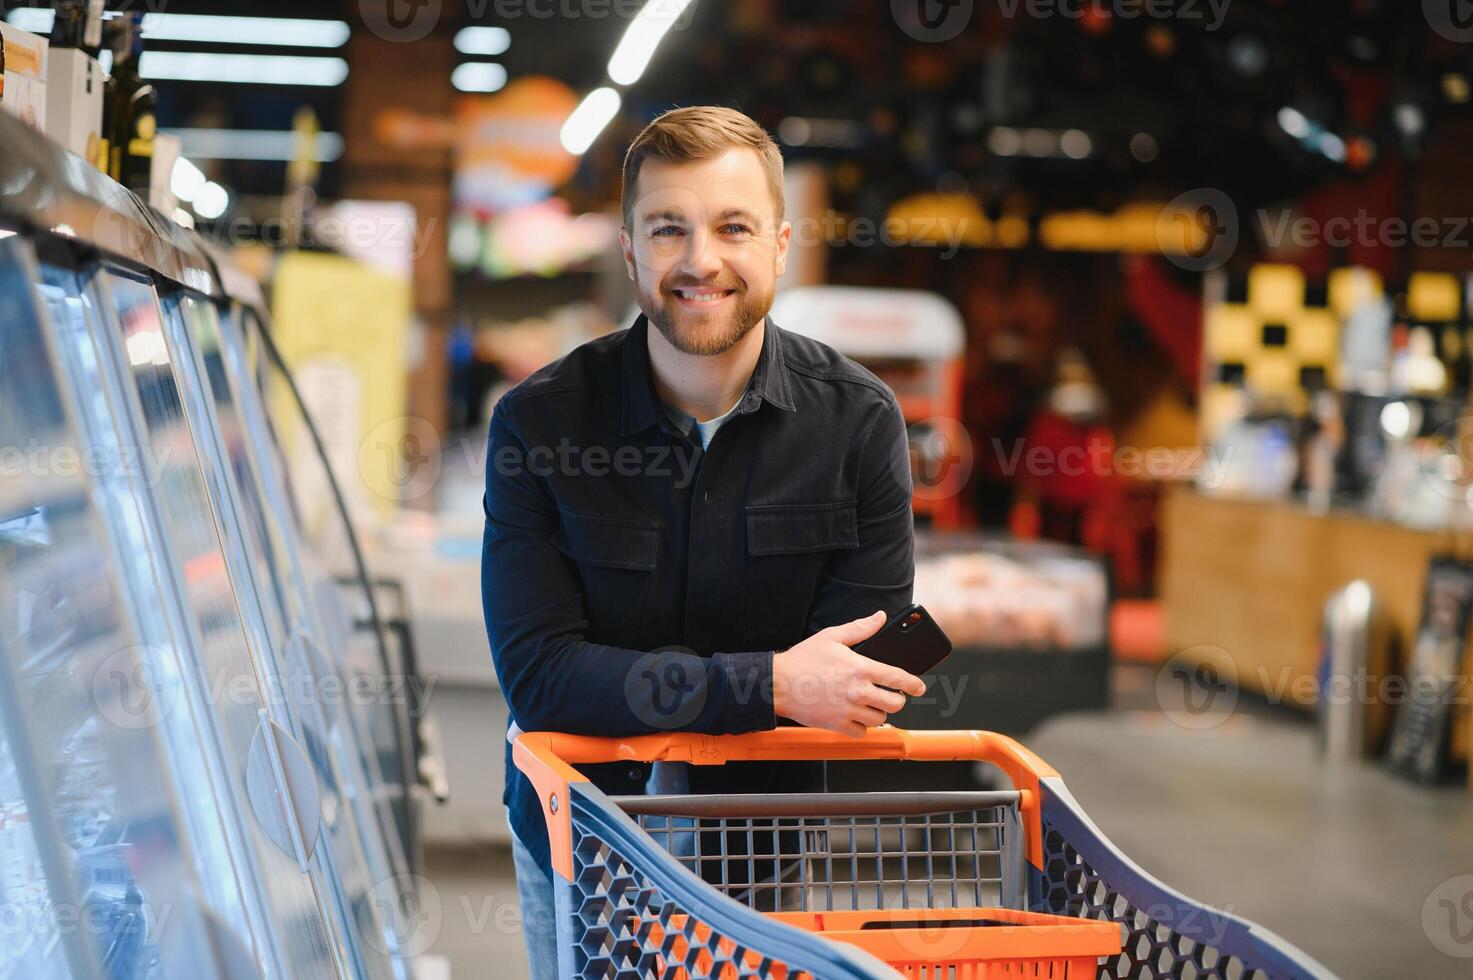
910 640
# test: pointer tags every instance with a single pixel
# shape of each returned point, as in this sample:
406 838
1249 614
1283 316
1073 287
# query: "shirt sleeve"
880 573
553 677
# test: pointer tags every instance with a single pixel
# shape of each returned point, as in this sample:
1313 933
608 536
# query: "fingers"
857 630
853 729
878 697
867 716
896 679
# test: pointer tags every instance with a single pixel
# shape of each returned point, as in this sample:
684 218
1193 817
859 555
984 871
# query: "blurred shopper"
688 526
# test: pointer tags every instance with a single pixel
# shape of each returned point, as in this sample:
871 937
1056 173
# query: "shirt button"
706 496
635 776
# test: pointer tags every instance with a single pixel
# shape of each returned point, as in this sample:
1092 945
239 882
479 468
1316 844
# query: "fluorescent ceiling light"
211 201
478 76
589 119
290 32
287 32
262 69
186 179
482 40
252 144
641 38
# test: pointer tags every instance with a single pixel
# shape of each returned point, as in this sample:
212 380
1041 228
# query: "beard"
698 333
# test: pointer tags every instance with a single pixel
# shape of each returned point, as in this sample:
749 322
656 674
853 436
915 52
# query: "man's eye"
666 231
736 229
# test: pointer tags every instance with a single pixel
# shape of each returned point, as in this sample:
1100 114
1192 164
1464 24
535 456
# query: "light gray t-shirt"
706 431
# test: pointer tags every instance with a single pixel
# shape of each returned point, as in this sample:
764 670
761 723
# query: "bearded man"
688 527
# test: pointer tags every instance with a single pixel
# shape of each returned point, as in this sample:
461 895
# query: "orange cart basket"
956 885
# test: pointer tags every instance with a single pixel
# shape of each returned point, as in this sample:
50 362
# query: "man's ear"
626 245
784 239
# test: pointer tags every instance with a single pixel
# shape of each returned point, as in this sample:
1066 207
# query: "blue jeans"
539 914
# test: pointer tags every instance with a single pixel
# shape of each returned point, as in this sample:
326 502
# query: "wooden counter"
1252 578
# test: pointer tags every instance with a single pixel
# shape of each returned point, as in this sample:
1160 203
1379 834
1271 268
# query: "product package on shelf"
1011 595
23 75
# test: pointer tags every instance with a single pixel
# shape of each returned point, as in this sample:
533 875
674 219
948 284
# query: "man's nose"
702 259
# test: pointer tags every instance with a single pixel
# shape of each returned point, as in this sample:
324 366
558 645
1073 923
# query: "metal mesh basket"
793 852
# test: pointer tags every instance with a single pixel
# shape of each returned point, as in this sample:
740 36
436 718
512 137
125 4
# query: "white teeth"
699 297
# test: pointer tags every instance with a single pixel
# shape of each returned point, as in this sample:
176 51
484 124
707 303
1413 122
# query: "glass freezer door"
231 688
107 868
280 434
318 697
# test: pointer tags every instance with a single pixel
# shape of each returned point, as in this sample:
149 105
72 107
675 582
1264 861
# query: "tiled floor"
1355 866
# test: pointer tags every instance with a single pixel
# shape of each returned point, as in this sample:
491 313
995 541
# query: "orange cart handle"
548 758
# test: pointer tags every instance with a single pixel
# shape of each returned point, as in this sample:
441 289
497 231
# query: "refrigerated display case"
188 786
1028 621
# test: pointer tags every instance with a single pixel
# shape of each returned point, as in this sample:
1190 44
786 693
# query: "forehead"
732 180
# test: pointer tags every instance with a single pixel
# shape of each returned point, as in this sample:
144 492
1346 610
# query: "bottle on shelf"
130 107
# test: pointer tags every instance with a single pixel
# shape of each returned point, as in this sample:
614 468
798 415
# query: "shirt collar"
641 406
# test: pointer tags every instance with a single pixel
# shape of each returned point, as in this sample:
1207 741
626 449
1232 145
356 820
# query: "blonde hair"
701 132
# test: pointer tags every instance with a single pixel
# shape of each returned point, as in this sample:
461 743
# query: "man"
668 508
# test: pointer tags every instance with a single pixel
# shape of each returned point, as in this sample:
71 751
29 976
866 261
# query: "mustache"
690 284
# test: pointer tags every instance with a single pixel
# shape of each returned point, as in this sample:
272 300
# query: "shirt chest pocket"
788 546
616 561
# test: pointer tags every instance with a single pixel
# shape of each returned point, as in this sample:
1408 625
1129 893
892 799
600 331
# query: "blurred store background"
1177 297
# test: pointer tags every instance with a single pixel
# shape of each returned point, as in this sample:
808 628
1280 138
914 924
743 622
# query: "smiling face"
704 247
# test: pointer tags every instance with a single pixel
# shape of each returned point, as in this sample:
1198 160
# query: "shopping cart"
926 885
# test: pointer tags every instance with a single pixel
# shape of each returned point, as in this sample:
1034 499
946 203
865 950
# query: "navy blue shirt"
633 582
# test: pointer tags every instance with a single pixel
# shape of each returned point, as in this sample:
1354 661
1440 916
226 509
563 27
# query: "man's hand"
822 683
